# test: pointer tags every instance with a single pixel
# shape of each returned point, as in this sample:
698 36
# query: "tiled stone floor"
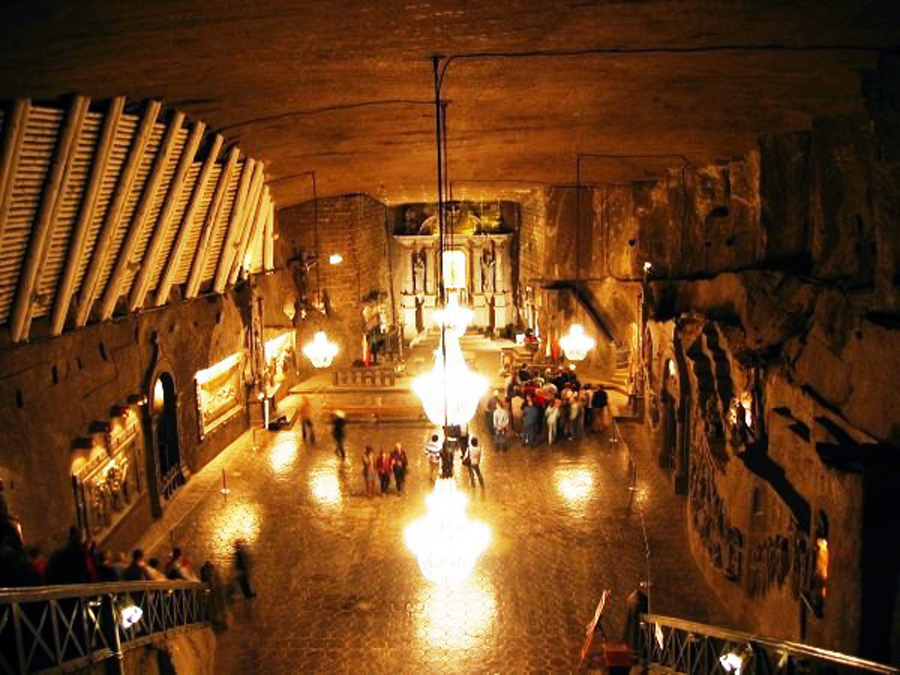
340 592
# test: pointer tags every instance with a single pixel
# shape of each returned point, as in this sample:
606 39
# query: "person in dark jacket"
69 565
400 464
339 431
137 570
242 569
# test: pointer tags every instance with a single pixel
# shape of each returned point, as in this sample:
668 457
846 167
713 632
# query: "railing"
365 377
677 646
67 627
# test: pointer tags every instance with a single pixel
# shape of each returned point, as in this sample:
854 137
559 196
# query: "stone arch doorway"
164 416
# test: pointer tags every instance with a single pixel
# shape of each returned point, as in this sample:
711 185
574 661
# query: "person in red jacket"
383 466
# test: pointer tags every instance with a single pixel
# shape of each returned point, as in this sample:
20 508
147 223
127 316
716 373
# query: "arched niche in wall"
162 431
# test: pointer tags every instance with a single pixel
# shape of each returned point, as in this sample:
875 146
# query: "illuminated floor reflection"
575 486
455 618
325 488
283 453
235 520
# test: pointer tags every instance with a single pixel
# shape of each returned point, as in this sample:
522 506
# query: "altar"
477 269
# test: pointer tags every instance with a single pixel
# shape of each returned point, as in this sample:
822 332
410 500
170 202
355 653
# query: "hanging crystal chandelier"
454 317
321 351
576 344
450 391
445 542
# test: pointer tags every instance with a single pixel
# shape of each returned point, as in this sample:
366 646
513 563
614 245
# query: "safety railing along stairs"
54 628
672 645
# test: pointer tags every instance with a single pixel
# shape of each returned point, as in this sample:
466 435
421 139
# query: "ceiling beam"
9 161
78 238
187 220
164 223
114 285
235 217
269 236
247 221
209 225
114 214
42 229
254 227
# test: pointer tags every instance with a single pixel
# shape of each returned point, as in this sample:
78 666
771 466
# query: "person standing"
369 471
501 426
400 464
516 404
585 396
433 452
552 416
242 567
576 427
531 421
306 423
600 403
489 405
137 570
472 461
339 431
383 465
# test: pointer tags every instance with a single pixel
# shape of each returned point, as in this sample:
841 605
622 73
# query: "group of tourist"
81 561
549 406
384 465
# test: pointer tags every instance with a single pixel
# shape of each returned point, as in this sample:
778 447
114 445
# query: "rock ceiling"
344 88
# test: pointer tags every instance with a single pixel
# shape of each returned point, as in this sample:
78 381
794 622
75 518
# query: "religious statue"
488 263
418 262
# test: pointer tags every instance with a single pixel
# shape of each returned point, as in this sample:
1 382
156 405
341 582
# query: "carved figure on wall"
418 263
488 268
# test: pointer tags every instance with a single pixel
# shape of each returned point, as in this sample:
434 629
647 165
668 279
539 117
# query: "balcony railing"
676 646
66 627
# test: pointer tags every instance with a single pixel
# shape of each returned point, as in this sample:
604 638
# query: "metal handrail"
680 646
48 628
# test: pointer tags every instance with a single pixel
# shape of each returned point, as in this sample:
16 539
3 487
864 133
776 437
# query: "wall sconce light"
335 259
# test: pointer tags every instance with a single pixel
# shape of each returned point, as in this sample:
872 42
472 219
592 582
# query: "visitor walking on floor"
400 464
472 461
242 567
339 431
383 465
433 452
369 470
306 424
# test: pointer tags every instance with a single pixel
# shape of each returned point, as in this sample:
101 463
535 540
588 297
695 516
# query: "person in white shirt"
433 452
472 461
501 426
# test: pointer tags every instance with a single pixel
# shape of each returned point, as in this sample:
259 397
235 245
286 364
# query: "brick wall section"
354 227
532 245
53 390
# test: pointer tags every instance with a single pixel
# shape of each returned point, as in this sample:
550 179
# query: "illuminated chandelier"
450 391
321 351
576 344
445 542
454 317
